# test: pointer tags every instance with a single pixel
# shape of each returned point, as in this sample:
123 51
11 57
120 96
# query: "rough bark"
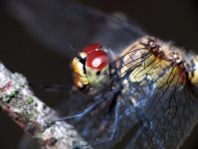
32 115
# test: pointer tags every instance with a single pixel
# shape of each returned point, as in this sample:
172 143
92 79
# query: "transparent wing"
164 101
97 125
167 115
169 122
67 26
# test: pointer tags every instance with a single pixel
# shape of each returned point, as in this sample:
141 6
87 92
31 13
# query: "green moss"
30 100
11 96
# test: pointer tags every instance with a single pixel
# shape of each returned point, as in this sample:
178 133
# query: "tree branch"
32 115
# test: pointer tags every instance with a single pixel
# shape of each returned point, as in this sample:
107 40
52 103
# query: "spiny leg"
53 88
82 113
114 128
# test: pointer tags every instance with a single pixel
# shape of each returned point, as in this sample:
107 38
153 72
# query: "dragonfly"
135 91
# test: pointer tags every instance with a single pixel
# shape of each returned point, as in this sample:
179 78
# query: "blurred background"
170 20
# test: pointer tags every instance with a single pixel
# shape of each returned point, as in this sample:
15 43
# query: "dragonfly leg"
53 88
115 125
114 128
80 114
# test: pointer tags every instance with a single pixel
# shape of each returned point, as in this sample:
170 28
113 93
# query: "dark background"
175 20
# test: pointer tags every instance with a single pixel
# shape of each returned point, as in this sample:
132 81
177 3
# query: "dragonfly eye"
92 47
97 60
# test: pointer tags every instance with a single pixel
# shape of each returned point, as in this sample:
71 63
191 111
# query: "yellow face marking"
80 78
97 80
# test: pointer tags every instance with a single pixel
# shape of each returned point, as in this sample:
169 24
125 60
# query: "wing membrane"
67 26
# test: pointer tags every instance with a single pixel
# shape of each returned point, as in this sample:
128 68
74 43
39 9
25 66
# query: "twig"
32 115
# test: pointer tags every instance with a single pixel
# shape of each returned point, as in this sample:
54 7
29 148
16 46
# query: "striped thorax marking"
148 56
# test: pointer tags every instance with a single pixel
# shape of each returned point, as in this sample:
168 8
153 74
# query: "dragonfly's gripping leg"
80 114
114 128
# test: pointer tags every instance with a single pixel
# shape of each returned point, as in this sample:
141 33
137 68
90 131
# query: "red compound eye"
92 47
97 60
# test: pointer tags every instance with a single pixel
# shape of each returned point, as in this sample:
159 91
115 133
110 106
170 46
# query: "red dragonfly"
140 89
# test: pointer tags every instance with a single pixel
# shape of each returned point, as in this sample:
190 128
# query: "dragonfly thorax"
151 57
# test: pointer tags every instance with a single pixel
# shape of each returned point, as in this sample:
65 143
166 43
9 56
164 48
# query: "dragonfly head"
91 67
